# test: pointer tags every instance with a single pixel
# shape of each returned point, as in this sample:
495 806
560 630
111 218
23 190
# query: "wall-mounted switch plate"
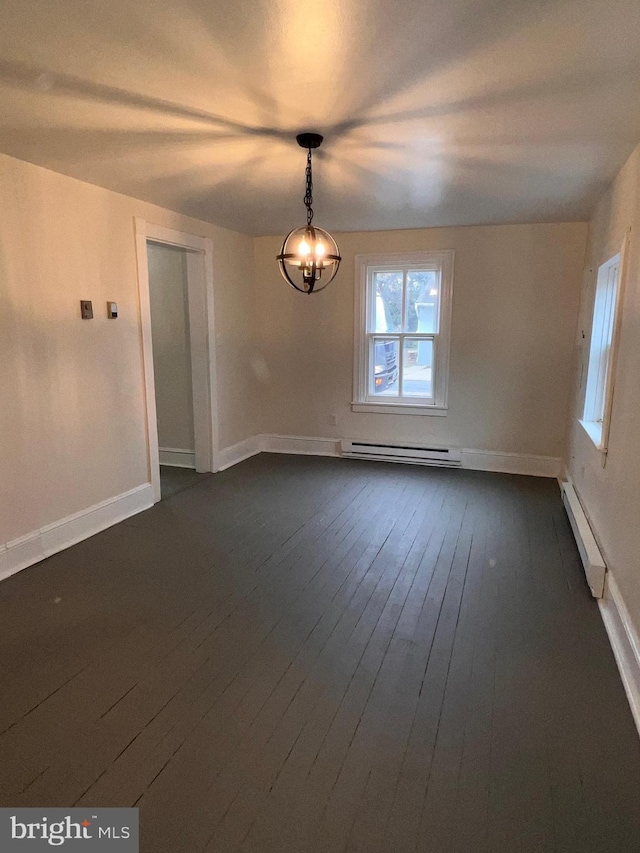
86 309
112 310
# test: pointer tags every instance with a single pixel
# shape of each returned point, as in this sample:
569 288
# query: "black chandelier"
309 253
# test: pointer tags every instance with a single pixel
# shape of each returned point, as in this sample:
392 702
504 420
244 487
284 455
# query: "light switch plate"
112 310
86 309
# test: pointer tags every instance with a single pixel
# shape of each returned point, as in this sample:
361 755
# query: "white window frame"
363 400
603 350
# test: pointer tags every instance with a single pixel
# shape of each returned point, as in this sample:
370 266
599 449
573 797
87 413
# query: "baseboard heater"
409 453
592 560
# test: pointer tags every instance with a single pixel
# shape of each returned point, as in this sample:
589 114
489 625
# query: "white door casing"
202 337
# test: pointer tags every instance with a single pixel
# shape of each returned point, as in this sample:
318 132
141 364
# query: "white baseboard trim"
511 463
563 473
624 642
622 634
229 456
177 458
477 460
33 547
300 444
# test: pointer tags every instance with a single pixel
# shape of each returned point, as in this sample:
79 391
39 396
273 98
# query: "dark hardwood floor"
174 480
310 655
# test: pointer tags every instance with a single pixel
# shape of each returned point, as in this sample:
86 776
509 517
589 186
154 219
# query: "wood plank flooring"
174 480
310 655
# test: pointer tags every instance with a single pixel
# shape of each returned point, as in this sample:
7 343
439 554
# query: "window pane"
417 368
423 301
384 373
601 341
387 293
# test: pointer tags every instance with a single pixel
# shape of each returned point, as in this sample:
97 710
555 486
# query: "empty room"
320 426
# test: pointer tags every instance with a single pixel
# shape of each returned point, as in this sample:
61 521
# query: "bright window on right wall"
599 372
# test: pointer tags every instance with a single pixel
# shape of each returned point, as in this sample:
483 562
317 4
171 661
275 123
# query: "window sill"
594 431
399 409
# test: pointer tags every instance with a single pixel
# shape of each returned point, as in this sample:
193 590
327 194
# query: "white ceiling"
435 112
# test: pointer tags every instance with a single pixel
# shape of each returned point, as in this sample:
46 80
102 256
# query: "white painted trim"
48 540
299 444
202 334
624 642
563 475
295 444
399 409
594 430
177 458
211 352
615 346
512 463
622 634
200 299
476 460
229 456
151 428
438 259
171 237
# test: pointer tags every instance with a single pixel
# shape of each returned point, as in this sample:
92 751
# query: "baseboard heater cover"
594 565
409 453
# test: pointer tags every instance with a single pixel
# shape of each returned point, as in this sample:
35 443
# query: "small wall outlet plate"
86 309
112 310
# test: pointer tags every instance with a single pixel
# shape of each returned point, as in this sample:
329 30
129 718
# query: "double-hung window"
599 372
403 321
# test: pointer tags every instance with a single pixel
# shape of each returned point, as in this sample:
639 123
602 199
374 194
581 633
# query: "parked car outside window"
386 352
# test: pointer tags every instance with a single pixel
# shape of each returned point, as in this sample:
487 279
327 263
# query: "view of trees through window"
403 303
422 289
403 366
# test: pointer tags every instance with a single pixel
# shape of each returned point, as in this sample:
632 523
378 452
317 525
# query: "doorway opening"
173 376
175 277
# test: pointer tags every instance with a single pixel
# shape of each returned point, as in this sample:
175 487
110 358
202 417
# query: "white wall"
516 293
73 430
169 301
72 418
611 494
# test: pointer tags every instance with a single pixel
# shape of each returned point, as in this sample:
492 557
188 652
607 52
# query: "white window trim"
599 432
594 431
400 409
361 402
